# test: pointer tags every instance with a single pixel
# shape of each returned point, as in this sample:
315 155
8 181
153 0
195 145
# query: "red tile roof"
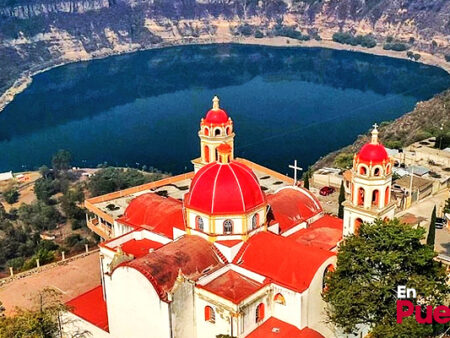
139 248
324 233
225 188
287 263
193 255
91 307
155 213
291 206
285 330
232 286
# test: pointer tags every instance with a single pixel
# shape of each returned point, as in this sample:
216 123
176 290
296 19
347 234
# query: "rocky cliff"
36 34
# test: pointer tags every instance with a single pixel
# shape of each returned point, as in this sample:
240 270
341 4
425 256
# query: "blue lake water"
145 108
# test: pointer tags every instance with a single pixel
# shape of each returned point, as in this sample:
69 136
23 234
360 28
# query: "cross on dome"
375 134
215 101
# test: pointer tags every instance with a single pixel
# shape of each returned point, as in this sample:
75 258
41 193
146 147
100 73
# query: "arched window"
329 268
217 132
358 223
206 131
210 315
259 312
279 299
375 197
228 226
255 221
362 170
199 223
228 130
361 194
206 152
387 195
376 171
388 169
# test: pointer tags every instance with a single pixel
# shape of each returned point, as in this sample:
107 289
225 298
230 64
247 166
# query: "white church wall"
249 316
316 315
238 226
206 329
290 312
134 306
182 310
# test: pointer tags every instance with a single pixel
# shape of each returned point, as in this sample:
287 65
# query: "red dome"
373 152
228 188
216 116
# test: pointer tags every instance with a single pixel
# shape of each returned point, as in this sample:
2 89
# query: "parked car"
325 191
440 222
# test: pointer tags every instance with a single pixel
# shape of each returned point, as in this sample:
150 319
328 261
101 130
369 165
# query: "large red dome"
373 152
216 116
225 188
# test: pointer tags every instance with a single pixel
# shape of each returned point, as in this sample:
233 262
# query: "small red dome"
373 152
228 188
216 116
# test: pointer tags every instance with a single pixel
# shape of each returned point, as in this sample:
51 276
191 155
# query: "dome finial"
215 101
375 134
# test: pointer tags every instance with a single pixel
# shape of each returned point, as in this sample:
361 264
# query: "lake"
145 108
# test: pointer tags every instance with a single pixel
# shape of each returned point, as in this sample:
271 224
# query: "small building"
421 188
6 176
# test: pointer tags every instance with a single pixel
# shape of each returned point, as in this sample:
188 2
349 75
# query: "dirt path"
70 279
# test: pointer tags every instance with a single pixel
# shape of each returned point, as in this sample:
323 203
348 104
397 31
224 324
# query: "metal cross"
295 170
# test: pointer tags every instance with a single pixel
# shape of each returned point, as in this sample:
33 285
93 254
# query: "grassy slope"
424 121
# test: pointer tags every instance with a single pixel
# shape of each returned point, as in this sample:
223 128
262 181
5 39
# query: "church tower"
215 129
370 186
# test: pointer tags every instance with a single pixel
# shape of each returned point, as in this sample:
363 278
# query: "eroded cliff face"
37 34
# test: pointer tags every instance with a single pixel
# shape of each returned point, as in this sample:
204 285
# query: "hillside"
424 121
38 34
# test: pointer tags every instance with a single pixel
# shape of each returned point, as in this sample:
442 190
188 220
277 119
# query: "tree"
44 171
344 160
61 160
370 266
44 188
44 322
111 179
11 195
341 200
432 230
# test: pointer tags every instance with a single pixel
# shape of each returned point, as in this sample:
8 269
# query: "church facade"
231 249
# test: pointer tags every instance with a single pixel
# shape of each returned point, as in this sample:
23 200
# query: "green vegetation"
348 38
344 160
111 179
259 34
11 195
370 266
396 46
447 57
61 160
432 231
413 56
289 32
45 322
341 200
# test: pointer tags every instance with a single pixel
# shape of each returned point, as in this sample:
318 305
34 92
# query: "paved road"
424 209
72 279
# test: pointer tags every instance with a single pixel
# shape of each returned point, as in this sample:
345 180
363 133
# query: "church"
232 249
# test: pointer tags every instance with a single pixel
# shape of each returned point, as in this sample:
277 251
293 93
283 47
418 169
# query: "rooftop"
288 264
91 307
193 256
113 205
276 328
232 286
139 248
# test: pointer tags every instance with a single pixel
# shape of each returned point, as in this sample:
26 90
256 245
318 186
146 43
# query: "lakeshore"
26 79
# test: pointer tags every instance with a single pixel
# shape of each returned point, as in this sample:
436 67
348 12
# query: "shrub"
416 56
396 46
447 57
344 160
11 195
347 38
259 34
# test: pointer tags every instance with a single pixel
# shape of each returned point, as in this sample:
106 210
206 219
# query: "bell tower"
370 186
215 129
